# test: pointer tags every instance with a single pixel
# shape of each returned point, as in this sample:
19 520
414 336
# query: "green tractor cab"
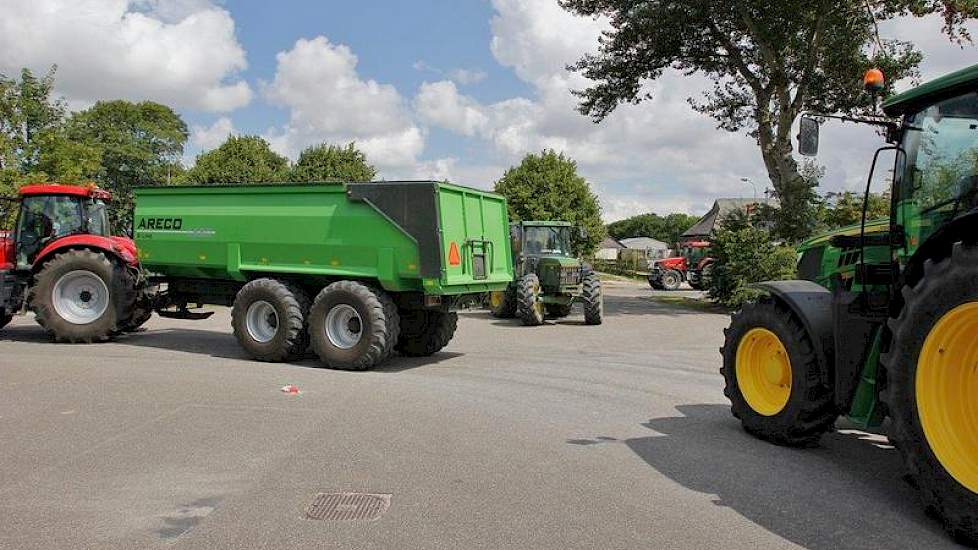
549 278
884 323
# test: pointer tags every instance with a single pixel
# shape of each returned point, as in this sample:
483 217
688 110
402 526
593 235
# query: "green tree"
664 228
139 144
240 159
332 163
846 208
770 61
29 114
743 256
547 187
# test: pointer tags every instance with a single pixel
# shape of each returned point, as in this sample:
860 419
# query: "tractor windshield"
941 144
546 240
44 218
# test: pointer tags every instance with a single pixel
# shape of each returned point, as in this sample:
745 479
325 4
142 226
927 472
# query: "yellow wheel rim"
947 393
763 371
495 299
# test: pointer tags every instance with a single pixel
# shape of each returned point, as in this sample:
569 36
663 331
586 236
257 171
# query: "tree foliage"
547 187
744 255
846 208
332 163
664 228
137 144
29 115
769 61
240 159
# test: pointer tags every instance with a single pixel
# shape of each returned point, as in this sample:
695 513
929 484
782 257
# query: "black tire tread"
812 417
593 299
424 333
526 297
953 504
383 332
296 305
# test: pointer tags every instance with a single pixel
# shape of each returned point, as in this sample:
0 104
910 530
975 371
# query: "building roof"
608 242
643 243
721 209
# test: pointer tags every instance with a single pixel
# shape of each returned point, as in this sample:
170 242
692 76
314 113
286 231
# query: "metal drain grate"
348 506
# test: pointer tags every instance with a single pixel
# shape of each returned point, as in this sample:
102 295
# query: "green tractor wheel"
772 377
932 388
593 299
529 308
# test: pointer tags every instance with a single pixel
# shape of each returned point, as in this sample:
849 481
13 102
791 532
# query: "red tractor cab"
693 266
61 262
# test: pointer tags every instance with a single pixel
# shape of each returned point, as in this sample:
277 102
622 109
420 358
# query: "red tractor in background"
61 262
693 266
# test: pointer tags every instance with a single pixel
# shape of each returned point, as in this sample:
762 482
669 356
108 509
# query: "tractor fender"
812 305
119 247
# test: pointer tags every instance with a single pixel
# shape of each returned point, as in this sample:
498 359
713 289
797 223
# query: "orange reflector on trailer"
454 258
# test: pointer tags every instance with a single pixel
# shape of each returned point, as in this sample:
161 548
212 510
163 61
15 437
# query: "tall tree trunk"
793 191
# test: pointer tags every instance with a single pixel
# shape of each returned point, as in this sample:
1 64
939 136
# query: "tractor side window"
942 153
96 217
43 219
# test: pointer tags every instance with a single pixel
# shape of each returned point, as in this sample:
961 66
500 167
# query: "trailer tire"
269 320
930 380
100 285
425 332
529 308
353 326
671 280
593 299
796 416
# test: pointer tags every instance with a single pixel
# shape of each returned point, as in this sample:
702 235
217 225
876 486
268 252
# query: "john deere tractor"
549 279
886 324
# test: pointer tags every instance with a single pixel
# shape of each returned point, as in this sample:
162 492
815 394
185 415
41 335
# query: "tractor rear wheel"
593 300
502 304
932 388
671 280
81 296
425 332
773 379
353 326
269 320
529 308
142 311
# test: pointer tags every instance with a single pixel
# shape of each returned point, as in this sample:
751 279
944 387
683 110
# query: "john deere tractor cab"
549 278
59 260
886 326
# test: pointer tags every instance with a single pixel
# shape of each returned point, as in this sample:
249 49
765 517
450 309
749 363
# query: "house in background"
608 249
645 247
711 222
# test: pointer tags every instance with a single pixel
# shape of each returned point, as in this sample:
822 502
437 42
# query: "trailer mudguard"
812 304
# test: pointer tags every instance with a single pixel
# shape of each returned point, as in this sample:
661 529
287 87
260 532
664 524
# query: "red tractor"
61 262
692 266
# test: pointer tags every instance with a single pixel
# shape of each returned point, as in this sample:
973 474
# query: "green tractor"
884 325
549 279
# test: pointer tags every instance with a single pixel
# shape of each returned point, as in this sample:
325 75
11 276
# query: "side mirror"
808 136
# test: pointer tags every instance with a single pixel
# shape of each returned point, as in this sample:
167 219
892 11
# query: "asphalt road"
560 436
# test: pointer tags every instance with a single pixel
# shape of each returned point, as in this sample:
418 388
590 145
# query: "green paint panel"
319 230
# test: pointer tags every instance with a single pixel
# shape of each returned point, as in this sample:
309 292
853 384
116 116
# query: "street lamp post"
751 182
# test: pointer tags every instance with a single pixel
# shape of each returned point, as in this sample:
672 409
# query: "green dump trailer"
355 271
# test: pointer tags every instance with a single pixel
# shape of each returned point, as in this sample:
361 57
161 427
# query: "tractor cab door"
43 219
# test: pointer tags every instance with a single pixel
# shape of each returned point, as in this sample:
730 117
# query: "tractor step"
184 314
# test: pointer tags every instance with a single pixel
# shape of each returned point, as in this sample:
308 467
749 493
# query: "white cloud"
329 101
657 156
180 53
468 76
204 138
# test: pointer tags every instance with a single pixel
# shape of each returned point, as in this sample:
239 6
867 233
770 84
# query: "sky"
443 89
